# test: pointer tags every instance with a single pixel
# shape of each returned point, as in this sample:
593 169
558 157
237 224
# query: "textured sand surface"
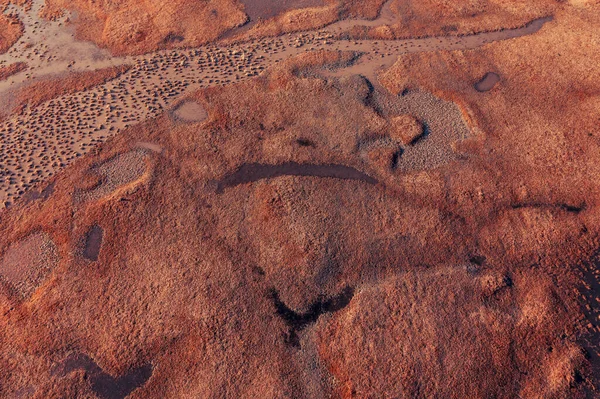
310 215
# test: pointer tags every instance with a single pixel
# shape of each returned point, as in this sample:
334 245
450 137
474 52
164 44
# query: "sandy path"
37 143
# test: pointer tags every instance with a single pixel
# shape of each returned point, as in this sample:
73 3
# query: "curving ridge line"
249 173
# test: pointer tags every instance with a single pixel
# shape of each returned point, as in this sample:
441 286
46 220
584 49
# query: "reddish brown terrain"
305 215
10 26
40 91
9 70
134 27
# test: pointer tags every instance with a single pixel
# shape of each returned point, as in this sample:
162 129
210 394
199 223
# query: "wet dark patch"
475 264
576 209
426 132
172 38
93 242
488 82
477 260
305 143
449 28
396 158
249 173
103 384
298 321
34 195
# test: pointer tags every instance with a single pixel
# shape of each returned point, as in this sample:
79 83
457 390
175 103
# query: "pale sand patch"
149 146
191 111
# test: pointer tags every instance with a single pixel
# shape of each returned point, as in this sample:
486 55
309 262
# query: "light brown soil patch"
26 264
190 111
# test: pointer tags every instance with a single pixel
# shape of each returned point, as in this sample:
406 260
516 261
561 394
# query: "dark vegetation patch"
298 321
305 142
173 38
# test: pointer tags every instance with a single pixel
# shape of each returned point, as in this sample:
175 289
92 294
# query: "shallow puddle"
93 242
34 195
488 82
103 384
265 9
249 173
